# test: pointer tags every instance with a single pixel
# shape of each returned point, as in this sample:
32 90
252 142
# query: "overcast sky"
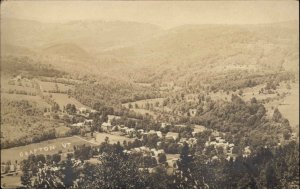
164 13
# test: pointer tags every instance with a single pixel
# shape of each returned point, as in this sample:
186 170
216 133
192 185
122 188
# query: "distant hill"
141 51
8 49
94 36
194 49
67 50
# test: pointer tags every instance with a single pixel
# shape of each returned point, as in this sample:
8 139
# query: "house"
192 112
173 163
172 135
130 131
93 111
140 131
82 110
247 151
180 126
106 127
156 153
80 124
116 128
214 158
215 133
12 168
158 144
88 122
159 134
182 140
151 132
123 129
192 141
198 129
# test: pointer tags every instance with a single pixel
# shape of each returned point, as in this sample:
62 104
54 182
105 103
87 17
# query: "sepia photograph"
149 94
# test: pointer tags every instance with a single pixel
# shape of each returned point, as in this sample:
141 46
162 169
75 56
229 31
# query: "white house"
88 121
172 135
106 127
82 110
247 151
80 124
159 134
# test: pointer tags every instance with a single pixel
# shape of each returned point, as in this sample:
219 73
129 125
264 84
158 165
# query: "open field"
52 86
56 145
142 103
63 100
36 99
11 181
46 147
288 106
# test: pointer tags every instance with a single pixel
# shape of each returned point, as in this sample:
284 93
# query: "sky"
166 14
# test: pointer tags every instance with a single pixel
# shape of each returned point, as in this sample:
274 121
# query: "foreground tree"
116 170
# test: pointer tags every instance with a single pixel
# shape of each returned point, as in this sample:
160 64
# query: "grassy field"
46 147
11 181
50 86
36 99
63 100
142 103
142 106
289 107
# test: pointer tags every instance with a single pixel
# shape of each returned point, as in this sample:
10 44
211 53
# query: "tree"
56 158
117 170
277 116
271 178
68 173
25 178
162 158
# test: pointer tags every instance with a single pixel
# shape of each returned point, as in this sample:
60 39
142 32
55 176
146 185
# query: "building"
82 110
172 135
88 122
159 134
80 124
198 129
247 151
106 127
157 152
173 163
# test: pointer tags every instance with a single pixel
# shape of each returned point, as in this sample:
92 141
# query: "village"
163 146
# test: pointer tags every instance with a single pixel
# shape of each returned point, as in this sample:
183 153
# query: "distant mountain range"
135 48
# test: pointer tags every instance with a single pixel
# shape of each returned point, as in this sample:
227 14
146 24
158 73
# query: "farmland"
64 99
52 86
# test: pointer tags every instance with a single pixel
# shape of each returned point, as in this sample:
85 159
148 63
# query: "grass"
11 181
51 86
36 99
142 103
63 100
14 153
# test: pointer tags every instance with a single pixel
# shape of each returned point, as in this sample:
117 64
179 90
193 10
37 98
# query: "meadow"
49 147
64 99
